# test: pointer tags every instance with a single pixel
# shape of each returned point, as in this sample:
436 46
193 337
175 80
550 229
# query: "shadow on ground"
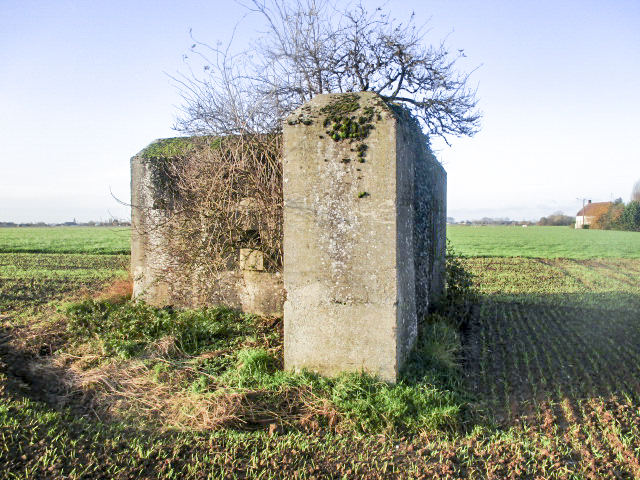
33 375
522 351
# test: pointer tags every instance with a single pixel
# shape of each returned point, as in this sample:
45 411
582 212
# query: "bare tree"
312 47
225 101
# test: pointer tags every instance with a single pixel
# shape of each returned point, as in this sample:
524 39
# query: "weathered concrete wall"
160 279
430 210
149 221
362 253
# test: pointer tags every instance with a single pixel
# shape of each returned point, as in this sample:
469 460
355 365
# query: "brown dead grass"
132 390
118 291
113 389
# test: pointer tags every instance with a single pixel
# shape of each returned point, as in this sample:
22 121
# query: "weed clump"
127 329
460 292
372 406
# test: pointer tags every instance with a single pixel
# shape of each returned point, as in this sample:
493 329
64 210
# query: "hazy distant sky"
83 88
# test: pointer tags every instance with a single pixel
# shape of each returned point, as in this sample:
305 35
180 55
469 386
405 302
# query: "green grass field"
546 384
487 241
543 242
81 240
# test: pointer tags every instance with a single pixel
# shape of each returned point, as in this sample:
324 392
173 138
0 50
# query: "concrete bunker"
362 215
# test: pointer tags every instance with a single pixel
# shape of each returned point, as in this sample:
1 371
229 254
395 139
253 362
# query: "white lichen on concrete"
350 237
337 220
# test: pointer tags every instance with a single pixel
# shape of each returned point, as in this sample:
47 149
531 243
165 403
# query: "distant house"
590 212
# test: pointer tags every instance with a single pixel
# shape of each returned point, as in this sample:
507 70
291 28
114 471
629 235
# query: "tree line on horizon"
112 222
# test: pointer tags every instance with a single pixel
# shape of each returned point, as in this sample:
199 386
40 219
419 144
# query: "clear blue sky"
83 88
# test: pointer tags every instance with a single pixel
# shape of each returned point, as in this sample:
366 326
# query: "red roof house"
590 212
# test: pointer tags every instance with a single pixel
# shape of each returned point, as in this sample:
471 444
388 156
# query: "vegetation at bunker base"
550 362
157 369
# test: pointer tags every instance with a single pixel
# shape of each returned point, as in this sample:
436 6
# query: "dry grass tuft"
134 391
164 347
118 291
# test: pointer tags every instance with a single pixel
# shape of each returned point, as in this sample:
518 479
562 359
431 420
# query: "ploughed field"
559 329
549 373
553 354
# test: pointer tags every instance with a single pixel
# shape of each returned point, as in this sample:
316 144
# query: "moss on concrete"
177 146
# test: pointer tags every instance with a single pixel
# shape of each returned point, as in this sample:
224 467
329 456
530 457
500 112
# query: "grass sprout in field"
555 329
28 280
611 284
